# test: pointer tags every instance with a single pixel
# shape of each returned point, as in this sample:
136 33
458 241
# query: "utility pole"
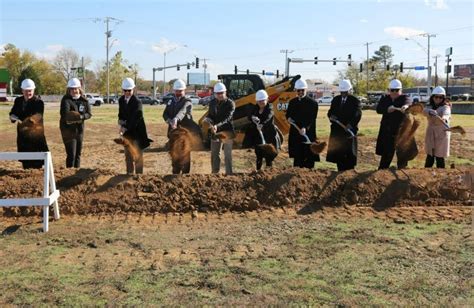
429 36
436 70
367 66
204 66
108 35
287 64
83 74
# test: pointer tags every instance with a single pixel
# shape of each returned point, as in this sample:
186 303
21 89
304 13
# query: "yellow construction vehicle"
241 88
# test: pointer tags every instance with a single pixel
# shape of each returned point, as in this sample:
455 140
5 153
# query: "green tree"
383 55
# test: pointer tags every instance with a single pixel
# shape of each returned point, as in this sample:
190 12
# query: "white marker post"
49 185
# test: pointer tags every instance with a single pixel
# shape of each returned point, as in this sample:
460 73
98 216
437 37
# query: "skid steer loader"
241 88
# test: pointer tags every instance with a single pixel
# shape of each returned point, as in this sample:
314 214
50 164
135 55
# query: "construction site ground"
278 236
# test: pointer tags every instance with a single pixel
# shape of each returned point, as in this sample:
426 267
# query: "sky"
249 34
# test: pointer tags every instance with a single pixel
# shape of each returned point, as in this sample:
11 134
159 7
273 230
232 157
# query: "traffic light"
263 72
361 67
388 67
401 67
315 60
349 58
278 73
373 68
235 69
333 61
177 67
197 62
248 72
188 66
448 66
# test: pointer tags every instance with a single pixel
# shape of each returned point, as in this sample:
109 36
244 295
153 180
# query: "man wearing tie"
344 114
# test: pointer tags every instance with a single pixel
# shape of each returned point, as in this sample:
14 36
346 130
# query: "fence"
50 193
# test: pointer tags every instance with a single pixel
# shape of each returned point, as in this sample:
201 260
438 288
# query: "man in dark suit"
132 126
344 114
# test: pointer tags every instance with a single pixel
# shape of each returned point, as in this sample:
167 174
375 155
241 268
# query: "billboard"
464 70
199 79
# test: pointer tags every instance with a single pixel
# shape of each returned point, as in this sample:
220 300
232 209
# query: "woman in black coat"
132 126
261 117
346 109
28 111
74 111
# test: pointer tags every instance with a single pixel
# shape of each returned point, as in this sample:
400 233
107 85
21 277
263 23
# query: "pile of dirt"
96 191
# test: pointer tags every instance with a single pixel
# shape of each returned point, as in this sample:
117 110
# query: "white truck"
94 99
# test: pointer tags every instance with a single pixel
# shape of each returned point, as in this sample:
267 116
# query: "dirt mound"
96 191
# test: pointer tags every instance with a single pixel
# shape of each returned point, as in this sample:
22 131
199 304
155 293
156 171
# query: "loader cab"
241 85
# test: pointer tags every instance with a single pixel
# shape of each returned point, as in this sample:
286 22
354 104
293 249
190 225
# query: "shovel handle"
299 129
344 126
261 135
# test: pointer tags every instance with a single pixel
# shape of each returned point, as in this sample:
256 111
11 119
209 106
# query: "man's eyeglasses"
126 91
300 90
394 90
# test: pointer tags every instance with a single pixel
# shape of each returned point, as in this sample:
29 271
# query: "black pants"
431 159
347 164
73 144
260 156
303 158
134 166
387 158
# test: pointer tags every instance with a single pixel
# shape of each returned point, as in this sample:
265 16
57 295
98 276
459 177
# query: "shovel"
268 148
315 147
343 126
454 129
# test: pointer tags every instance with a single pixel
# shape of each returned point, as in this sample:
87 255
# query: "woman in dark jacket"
261 118
74 111
28 111
132 126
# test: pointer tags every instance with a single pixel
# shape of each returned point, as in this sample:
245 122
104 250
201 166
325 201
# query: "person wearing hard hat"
219 117
437 139
261 117
132 126
178 111
74 111
344 115
392 107
302 112
27 112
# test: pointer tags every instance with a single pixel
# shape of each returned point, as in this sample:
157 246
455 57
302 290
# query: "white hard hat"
261 95
300 84
179 85
28 84
345 86
439 91
219 87
74 83
128 84
395 84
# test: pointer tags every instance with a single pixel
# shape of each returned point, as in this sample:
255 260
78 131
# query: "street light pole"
287 64
429 36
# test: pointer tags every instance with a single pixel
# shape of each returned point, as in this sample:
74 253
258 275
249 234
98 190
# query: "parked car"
465 96
165 99
94 99
112 99
205 100
148 100
194 99
325 100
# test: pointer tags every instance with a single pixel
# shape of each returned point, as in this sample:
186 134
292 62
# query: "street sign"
80 72
449 51
419 68
297 60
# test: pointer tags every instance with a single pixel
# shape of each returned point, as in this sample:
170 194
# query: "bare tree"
64 61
